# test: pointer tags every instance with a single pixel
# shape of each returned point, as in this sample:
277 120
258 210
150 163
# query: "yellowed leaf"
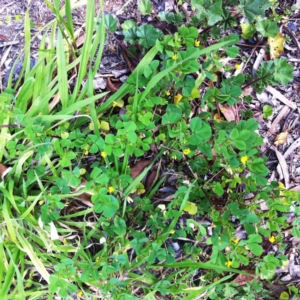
191 208
104 125
281 138
276 45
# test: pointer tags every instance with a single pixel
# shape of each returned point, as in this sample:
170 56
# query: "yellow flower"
172 231
244 159
103 154
186 151
79 294
228 263
238 67
115 104
197 43
272 239
236 240
111 189
86 152
168 93
174 56
177 98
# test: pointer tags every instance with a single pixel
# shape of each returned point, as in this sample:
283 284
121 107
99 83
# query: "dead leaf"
247 91
3 170
229 112
139 167
281 138
110 86
150 180
80 40
276 45
242 279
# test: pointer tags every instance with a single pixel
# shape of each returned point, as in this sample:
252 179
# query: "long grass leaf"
33 256
61 70
85 52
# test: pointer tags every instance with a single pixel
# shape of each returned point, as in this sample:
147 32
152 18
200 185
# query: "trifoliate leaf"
191 208
276 45
281 138
253 8
248 31
267 28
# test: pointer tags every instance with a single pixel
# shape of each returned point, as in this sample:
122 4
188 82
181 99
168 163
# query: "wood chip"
281 115
284 167
280 97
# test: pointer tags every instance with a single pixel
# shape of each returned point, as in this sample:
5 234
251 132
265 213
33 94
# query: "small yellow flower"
174 57
111 189
86 152
197 43
244 159
115 104
79 294
168 93
177 98
186 151
238 67
272 239
228 263
172 231
236 240
103 154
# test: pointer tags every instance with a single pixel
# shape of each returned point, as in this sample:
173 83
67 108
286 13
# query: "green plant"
74 213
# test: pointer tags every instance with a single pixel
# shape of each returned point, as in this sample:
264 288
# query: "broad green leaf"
267 28
283 71
255 249
145 7
248 31
110 23
232 52
191 208
253 8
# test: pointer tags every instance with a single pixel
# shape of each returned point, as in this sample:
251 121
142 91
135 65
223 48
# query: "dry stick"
294 146
282 114
280 97
284 167
258 61
291 34
251 54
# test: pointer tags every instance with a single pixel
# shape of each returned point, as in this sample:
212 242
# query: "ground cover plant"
151 191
